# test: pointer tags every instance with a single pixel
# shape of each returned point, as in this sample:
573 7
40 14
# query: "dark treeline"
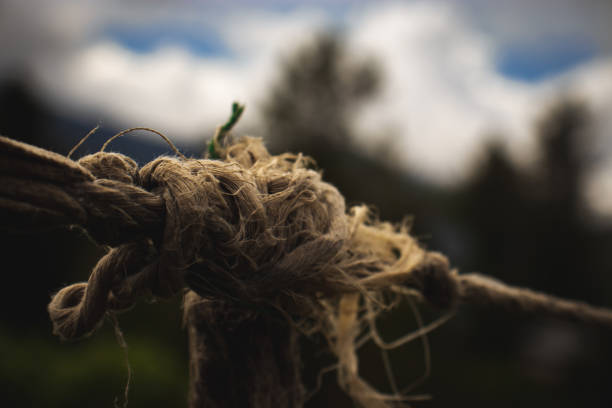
528 227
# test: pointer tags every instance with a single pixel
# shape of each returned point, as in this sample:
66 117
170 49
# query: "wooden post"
240 357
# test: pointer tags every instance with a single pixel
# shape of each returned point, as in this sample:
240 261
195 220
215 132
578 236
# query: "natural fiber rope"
253 233
485 291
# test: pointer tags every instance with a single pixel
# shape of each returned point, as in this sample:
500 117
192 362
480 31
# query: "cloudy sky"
455 72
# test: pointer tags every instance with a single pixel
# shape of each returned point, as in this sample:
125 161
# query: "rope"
44 189
485 291
255 233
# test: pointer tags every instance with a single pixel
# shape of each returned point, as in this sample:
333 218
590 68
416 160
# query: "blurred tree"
528 229
310 109
562 256
529 226
497 214
563 135
22 116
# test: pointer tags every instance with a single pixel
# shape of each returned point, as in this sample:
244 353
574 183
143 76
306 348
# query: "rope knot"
247 230
436 281
253 230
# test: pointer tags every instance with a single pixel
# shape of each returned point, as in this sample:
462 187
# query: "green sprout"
222 131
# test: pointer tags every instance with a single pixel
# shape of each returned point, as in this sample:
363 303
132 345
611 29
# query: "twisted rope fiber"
252 240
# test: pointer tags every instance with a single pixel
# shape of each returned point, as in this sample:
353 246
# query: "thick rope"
252 235
485 291
43 189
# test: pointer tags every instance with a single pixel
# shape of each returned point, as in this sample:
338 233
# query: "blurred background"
488 123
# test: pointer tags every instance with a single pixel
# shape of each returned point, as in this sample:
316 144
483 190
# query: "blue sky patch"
536 62
199 41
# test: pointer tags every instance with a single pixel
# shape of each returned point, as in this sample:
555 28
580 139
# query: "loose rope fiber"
261 247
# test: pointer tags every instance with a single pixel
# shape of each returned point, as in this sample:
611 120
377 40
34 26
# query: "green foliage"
92 373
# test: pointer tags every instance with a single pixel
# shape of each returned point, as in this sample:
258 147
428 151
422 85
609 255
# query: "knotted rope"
249 238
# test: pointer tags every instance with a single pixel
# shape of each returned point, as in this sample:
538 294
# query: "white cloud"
445 98
170 88
443 94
